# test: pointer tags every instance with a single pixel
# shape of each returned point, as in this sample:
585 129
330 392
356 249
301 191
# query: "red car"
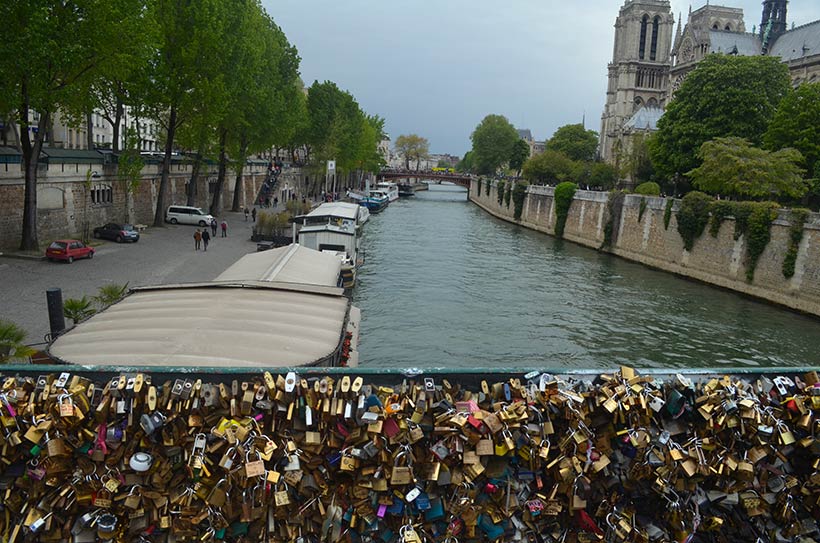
69 250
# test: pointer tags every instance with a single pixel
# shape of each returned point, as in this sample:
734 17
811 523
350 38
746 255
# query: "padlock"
401 474
152 422
66 405
218 495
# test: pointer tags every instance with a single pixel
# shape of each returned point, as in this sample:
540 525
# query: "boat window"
329 247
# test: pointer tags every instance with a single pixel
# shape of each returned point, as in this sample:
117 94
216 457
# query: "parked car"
68 250
117 232
187 215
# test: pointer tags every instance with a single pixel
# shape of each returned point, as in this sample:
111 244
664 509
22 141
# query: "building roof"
739 43
291 264
803 41
524 134
646 118
211 325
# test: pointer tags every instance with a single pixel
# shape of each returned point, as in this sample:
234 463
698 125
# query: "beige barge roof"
201 325
291 264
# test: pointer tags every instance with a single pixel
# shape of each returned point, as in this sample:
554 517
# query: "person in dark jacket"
206 237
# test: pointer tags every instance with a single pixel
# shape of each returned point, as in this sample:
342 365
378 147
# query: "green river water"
447 285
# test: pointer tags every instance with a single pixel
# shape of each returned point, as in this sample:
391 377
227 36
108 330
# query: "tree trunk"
159 215
193 182
115 126
216 201
89 131
237 188
31 154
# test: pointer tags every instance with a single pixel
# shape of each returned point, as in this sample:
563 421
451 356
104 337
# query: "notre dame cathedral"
650 60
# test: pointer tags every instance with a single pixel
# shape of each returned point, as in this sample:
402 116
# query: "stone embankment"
645 238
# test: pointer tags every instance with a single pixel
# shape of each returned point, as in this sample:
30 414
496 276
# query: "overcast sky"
437 67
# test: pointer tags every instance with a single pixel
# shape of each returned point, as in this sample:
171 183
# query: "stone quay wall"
65 204
719 261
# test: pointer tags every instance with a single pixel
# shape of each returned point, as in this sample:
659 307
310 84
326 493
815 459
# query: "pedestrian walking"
213 226
254 214
197 239
206 237
224 228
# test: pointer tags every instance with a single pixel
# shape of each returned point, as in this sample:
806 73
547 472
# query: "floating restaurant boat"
275 308
332 228
391 190
376 202
406 189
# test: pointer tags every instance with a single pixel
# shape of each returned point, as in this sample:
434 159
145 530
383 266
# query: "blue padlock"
436 511
423 502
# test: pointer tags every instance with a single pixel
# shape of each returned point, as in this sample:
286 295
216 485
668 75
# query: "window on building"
728 28
642 49
653 51
102 195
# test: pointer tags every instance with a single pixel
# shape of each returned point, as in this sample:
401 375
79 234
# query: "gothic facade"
634 103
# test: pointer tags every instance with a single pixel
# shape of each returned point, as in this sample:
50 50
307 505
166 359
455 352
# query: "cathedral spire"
679 31
773 22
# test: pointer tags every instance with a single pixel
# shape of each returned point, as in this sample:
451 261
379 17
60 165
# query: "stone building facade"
639 87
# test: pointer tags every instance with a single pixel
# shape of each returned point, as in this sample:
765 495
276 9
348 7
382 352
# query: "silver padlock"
152 422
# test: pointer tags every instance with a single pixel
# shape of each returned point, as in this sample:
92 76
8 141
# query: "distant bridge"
456 178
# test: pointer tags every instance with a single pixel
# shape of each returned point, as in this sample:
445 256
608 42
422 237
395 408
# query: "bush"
667 214
795 237
564 193
500 190
519 195
648 189
693 216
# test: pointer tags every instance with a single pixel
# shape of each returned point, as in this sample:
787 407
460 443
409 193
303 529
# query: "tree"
54 56
493 140
723 96
796 124
12 346
412 147
466 164
637 163
733 167
574 141
520 154
129 169
603 176
549 167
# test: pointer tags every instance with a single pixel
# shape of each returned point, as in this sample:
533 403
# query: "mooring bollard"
56 320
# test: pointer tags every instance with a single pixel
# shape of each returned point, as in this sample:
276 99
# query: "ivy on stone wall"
489 186
739 211
693 216
478 187
795 237
564 193
667 214
759 234
508 195
641 209
500 190
614 207
519 195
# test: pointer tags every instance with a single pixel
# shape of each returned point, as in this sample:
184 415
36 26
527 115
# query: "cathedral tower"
773 23
639 71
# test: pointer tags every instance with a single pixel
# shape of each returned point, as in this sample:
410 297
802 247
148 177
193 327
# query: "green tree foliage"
564 193
636 162
412 147
574 141
648 189
549 167
732 167
520 154
693 216
12 343
129 168
796 124
493 141
55 54
723 96
466 164
602 176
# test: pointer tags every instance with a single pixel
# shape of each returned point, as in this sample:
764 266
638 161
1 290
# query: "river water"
447 285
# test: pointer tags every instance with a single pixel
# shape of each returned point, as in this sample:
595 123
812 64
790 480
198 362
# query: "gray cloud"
436 68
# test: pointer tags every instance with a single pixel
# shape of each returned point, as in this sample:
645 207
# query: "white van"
187 215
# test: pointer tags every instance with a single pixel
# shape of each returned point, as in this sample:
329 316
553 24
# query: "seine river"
447 285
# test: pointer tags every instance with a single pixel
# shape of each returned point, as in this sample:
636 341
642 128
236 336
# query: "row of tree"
569 155
737 128
220 77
